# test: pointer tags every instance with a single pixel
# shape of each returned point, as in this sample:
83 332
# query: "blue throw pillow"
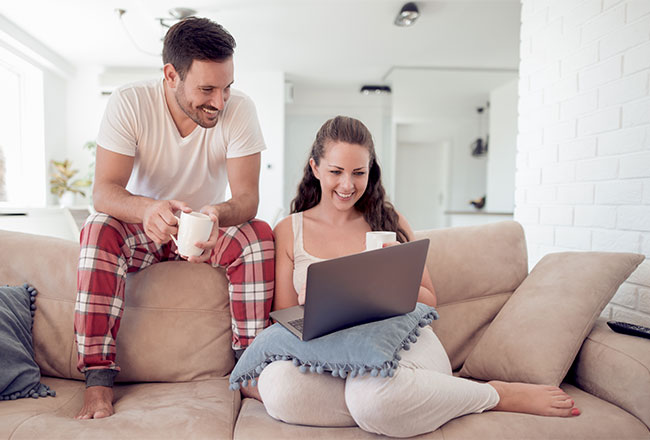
19 374
368 348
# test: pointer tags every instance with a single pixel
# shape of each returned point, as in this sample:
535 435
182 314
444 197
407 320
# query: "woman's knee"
367 402
377 404
303 398
269 381
274 386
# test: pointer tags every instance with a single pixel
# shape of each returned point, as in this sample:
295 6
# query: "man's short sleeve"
244 132
117 131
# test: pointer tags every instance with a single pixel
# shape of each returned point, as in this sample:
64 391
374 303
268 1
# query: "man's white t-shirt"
137 122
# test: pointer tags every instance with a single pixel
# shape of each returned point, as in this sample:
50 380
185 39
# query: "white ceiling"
324 41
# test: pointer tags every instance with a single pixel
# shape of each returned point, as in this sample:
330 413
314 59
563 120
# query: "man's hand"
207 246
159 220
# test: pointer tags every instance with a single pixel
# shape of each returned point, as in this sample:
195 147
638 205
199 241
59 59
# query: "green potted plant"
62 184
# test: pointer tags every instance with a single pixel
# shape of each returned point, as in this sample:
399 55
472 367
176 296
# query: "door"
421 183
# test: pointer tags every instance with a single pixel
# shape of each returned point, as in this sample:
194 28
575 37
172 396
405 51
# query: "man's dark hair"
196 39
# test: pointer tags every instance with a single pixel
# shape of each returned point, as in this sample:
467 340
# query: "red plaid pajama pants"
110 249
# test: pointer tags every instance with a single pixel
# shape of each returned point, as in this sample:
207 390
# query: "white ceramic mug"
377 239
192 227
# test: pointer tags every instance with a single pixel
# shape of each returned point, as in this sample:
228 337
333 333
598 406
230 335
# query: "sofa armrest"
616 368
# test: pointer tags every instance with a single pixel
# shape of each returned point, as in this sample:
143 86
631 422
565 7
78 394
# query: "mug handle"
178 220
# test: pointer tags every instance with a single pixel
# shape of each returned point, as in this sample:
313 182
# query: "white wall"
467 174
502 148
267 91
583 160
311 107
54 91
85 107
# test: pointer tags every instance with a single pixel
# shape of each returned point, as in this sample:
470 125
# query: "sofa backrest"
176 323
175 327
474 271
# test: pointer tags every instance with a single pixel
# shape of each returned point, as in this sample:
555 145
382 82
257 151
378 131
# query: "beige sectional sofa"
174 350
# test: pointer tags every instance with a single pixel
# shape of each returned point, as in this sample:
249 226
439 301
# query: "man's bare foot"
98 403
528 398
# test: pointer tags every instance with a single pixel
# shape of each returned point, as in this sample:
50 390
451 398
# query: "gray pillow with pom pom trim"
371 348
19 374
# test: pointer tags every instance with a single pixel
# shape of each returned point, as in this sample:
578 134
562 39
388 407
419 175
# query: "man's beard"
195 114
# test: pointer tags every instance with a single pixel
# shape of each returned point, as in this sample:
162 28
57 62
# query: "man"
165 146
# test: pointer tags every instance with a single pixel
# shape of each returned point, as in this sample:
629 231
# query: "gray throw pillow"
19 373
368 348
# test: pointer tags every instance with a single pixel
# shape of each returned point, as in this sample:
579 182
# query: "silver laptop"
356 289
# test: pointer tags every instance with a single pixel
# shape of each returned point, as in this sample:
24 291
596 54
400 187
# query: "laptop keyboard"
297 324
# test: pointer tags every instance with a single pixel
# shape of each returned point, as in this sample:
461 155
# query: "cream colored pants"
419 398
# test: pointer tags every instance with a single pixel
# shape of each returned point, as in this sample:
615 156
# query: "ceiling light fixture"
375 90
177 14
120 12
181 13
407 15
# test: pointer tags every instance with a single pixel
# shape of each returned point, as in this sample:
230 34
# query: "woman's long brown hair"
377 211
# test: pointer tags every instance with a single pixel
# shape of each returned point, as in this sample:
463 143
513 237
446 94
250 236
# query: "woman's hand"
426 295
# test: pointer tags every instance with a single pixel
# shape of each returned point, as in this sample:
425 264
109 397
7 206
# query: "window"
22 155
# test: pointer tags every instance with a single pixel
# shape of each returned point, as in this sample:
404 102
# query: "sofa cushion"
190 410
368 348
599 420
176 311
477 267
179 312
615 367
538 332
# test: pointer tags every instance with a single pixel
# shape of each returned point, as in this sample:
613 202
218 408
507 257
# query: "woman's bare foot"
543 400
252 392
98 403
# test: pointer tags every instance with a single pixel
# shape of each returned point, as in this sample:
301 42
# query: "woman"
340 198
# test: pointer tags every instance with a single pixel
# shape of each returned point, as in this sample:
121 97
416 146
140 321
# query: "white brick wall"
583 150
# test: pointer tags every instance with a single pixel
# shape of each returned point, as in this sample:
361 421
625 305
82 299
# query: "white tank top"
301 259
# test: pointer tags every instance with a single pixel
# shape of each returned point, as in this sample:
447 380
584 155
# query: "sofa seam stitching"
144 308
41 413
627 355
235 419
475 299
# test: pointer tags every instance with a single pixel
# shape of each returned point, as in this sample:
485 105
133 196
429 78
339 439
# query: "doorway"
421 183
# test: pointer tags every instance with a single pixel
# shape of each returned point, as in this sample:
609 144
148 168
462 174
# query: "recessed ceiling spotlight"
375 90
407 15
181 13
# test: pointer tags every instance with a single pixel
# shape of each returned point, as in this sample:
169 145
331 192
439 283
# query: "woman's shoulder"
404 224
283 225
283 232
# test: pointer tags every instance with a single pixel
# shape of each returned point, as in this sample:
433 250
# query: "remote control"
629 329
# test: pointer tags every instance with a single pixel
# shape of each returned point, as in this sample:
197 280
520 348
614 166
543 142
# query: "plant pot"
67 199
